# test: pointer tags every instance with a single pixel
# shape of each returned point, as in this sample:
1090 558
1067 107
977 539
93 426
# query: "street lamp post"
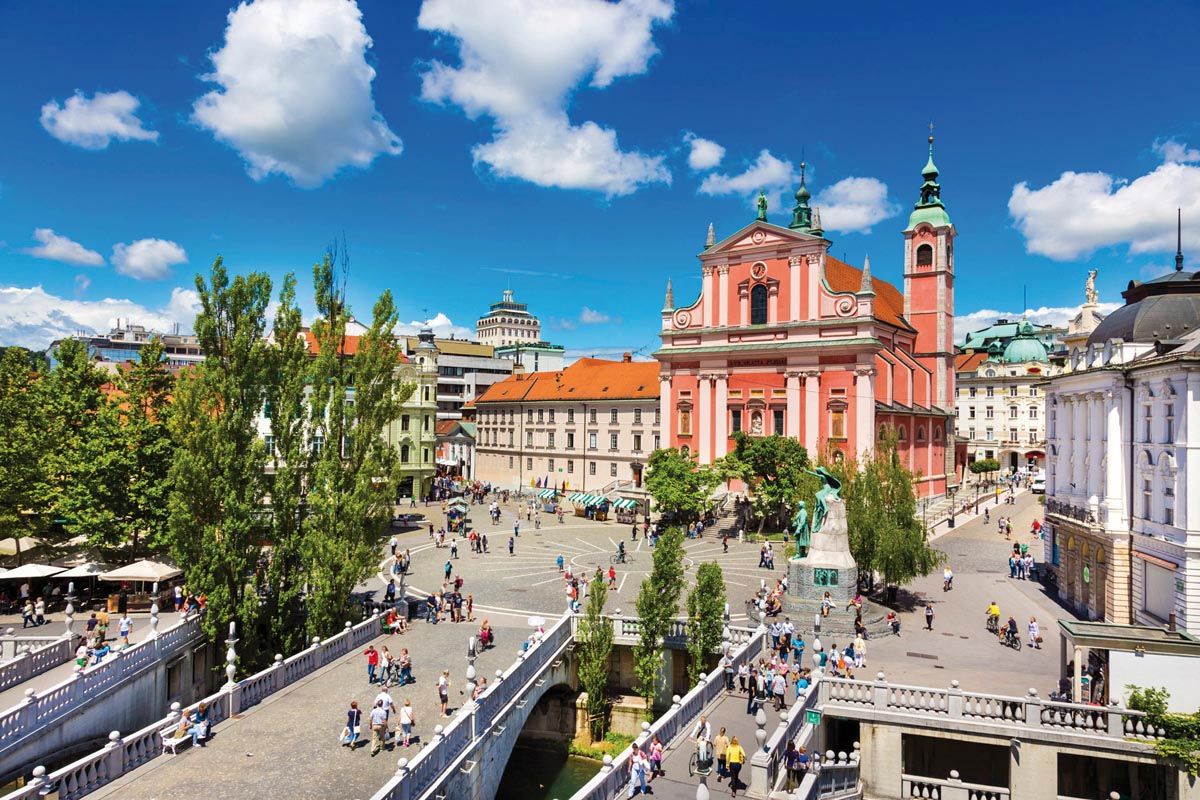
950 492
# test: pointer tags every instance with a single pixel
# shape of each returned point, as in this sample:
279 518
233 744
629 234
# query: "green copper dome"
1025 346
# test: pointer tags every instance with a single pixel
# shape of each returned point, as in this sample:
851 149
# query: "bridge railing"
951 788
766 761
614 775
28 656
953 703
52 705
124 754
418 777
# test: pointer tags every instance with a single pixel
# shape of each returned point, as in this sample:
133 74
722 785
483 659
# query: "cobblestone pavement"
288 744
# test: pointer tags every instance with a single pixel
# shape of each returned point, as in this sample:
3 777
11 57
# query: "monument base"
809 579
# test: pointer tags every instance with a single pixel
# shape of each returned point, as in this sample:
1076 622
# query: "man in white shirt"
703 729
379 719
394 544
384 700
125 628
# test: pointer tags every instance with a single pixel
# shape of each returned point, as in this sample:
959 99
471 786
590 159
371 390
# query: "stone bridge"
124 691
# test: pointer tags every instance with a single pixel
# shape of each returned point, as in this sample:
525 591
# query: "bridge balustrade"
124 754
28 662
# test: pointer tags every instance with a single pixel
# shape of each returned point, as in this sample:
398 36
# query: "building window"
1146 497
1012 391
1012 412
529 438
541 415
735 419
510 438
837 424
925 256
612 441
550 439
1012 434
570 467
404 422
971 412
970 433
989 413
920 433
591 441
570 415
529 417
426 394
268 411
592 468
637 416
657 441
1033 391
657 416
971 391
570 441
1169 426
510 462
1146 421
269 442
424 455
426 423
991 391
612 470
758 305
685 423
637 443
988 435
529 464
550 464
777 421
592 416
403 454
612 416
550 415
1033 412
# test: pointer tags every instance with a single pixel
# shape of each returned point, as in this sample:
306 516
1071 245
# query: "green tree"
353 472
216 522
772 469
706 619
657 607
984 466
23 420
282 583
677 483
593 645
881 516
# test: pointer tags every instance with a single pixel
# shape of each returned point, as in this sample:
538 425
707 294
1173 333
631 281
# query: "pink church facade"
786 339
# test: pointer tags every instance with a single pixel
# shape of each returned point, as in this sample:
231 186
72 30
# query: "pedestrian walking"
928 617
454 548
516 528
720 746
378 728
124 627
443 688
372 663
735 756
353 727
559 562
612 578
512 545
394 544
1035 634
407 719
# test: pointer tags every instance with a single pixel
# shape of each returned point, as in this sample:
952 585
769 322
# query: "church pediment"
759 234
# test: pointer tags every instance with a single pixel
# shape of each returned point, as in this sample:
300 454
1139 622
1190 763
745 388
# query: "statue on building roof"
1089 288
762 205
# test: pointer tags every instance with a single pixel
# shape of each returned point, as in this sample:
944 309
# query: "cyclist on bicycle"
621 552
704 749
1010 630
993 616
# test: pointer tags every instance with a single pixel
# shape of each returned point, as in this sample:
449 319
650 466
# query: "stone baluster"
760 720
471 674
1033 709
881 691
69 612
606 764
954 700
401 792
154 621
1116 721
277 676
39 781
231 655
954 790
114 754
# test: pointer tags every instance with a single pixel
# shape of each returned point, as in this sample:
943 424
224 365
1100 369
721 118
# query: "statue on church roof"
762 205
1089 289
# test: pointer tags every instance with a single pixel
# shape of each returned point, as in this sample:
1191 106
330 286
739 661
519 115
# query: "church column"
1115 477
812 410
666 418
723 285
864 410
709 299
721 417
704 428
794 288
1095 490
793 404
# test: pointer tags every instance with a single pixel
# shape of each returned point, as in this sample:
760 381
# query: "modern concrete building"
465 370
124 342
517 336
785 339
1123 481
589 427
998 404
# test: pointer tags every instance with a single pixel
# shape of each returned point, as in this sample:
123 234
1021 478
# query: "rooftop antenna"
1025 300
1179 240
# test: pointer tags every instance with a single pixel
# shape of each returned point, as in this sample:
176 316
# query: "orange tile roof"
889 302
968 362
586 379
349 346
446 427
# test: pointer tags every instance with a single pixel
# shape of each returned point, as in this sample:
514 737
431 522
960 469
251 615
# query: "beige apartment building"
589 427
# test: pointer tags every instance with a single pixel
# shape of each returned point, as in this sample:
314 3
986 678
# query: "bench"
172 738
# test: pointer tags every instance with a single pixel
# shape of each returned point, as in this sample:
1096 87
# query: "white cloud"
702 153
1082 212
1175 152
588 316
443 328
775 176
1058 316
92 124
854 205
295 90
520 61
82 284
147 259
54 247
32 318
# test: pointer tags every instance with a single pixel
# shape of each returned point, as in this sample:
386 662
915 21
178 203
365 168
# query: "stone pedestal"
828 566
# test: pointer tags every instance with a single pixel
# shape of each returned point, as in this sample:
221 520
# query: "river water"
544 774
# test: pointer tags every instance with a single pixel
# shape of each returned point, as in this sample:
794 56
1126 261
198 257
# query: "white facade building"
1123 480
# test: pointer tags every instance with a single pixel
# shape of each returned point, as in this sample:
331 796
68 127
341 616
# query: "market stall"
548 500
626 510
456 515
139 581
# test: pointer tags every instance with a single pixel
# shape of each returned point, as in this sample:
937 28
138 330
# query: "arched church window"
758 305
925 256
920 433
901 434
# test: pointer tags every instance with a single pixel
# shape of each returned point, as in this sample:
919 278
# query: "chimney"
626 357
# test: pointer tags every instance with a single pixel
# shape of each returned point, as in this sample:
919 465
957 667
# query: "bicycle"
696 766
626 559
993 624
1012 640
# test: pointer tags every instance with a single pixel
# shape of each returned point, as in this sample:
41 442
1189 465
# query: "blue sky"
568 149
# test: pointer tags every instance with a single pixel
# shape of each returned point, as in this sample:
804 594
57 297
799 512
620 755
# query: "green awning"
547 494
624 502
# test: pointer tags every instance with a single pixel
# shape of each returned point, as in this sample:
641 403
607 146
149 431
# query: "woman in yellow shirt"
735 756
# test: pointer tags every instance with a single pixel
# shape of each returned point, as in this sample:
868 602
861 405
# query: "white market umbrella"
91 569
148 571
536 622
29 571
8 547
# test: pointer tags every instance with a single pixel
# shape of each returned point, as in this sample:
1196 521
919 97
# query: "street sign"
812 716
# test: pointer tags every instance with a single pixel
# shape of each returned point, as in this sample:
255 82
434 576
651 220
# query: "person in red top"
372 662
612 577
